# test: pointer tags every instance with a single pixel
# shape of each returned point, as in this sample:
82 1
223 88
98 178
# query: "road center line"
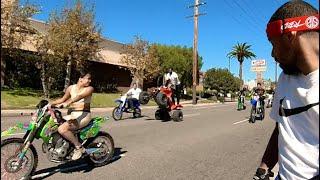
241 121
211 106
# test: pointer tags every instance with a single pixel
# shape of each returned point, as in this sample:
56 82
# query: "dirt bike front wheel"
11 168
117 113
252 115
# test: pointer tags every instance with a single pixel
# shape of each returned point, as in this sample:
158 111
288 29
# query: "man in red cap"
293 31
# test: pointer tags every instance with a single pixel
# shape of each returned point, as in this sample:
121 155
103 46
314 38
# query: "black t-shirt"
260 91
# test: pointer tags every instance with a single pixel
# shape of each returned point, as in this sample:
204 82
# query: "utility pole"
195 48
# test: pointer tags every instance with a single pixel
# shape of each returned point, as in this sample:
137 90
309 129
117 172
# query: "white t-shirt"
135 92
173 77
298 139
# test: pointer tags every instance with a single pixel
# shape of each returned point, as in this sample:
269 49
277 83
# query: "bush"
200 93
221 99
213 98
189 92
233 96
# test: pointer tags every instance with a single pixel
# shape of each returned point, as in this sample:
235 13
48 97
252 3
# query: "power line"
249 25
249 17
259 14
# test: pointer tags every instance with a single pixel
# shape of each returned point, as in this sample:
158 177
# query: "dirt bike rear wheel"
105 141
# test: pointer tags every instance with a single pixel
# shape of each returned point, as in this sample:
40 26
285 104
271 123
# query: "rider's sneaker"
261 174
77 153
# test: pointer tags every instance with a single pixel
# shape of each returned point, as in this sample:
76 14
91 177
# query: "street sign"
258 65
260 62
259 69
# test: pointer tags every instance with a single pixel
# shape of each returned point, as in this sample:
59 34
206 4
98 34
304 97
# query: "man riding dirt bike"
128 103
241 98
257 101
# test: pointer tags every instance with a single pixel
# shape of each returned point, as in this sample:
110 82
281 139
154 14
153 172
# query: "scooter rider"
133 95
260 92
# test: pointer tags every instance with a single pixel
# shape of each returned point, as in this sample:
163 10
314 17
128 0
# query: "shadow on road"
168 119
73 166
133 118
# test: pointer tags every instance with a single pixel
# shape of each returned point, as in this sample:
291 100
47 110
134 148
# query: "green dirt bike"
19 157
241 105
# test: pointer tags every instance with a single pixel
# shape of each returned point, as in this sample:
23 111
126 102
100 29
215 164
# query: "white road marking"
209 106
241 121
190 115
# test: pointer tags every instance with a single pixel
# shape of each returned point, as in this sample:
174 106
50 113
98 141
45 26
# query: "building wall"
108 75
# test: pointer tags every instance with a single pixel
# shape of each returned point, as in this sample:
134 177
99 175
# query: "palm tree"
241 51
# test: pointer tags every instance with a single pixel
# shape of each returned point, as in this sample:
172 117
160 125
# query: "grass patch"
28 99
11 100
206 101
100 100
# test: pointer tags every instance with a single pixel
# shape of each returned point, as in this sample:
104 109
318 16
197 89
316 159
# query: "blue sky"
164 21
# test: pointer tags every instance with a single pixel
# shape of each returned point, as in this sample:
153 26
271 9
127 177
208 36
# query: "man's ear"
292 36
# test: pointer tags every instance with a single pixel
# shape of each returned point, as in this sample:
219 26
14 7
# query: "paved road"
213 142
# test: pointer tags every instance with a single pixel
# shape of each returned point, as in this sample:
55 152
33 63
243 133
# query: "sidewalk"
28 112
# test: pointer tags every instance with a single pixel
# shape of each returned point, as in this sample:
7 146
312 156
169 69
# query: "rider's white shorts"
82 117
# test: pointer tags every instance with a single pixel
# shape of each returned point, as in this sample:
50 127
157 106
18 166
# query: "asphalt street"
215 141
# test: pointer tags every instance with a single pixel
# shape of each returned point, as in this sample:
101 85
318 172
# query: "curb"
29 112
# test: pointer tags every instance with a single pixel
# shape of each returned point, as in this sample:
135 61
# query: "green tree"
241 51
49 64
179 59
15 28
221 80
141 61
73 38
